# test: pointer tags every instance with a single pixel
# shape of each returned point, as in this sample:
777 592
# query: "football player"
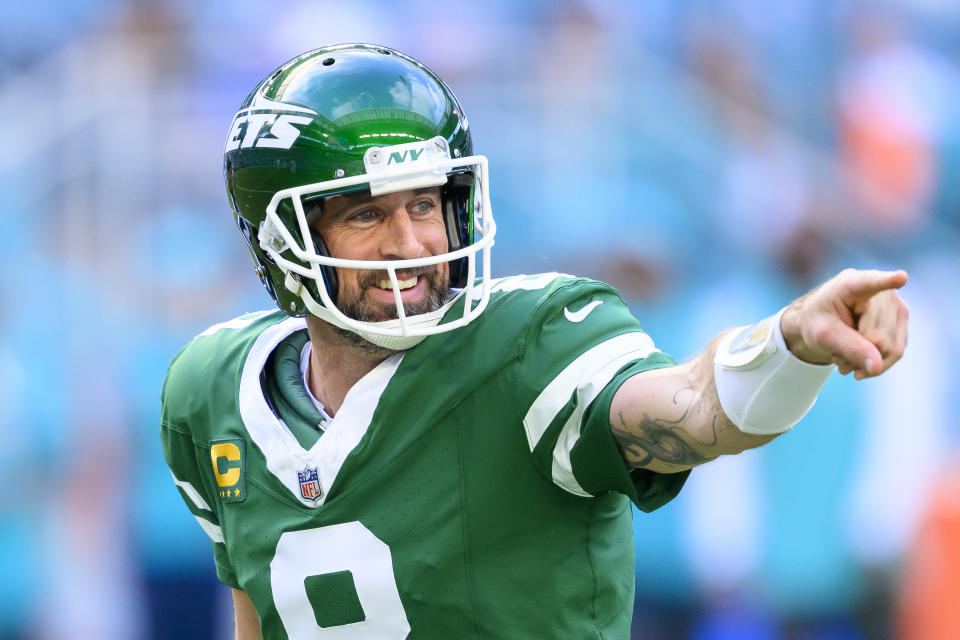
410 448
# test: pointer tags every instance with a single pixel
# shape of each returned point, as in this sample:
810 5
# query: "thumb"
847 346
863 285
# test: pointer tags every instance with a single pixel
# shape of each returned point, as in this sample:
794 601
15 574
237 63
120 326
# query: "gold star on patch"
236 493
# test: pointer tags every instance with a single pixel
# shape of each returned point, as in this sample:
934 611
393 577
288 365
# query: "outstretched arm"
668 420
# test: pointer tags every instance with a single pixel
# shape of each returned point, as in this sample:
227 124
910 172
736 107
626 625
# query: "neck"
337 362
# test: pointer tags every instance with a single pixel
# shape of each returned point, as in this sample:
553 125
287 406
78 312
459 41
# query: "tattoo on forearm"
655 439
701 433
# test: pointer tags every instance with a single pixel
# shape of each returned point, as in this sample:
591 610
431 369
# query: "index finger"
866 284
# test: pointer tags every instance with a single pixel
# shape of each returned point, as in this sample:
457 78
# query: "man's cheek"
348 287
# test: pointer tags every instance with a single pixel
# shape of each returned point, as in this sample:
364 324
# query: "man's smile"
404 284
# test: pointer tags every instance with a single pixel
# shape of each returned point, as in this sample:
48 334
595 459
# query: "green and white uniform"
468 488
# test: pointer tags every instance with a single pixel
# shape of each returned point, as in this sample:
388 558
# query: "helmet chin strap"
395 343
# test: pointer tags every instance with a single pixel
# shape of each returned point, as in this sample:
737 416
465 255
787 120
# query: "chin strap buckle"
271 239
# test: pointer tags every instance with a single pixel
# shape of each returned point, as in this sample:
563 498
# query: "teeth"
404 284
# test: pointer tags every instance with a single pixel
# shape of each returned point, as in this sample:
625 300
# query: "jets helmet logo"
280 132
252 127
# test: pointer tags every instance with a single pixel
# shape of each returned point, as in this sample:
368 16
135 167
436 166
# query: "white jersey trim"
212 530
523 283
236 323
586 376
283 453
192 493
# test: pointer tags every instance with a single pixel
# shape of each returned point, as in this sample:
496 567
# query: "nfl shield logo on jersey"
310 487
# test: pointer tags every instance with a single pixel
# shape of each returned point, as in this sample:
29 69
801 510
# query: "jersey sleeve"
582 344
186 461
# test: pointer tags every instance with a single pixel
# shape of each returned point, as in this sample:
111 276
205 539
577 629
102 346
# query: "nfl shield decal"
310 487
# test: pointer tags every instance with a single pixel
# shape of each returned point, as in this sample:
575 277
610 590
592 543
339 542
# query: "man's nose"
401 241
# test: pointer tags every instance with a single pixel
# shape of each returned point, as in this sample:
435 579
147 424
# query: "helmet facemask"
286 237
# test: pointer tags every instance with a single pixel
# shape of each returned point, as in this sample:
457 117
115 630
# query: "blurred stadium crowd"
712 159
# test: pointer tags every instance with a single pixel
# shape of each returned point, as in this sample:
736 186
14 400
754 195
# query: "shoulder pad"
212 360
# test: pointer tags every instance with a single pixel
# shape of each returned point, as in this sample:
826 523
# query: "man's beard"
362 309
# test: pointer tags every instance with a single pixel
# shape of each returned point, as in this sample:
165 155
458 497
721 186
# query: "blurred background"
712 159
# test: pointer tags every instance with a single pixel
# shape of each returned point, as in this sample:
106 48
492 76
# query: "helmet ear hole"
263 260
329 273
455 196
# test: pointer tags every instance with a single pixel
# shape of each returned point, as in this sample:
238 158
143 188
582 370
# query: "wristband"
763 388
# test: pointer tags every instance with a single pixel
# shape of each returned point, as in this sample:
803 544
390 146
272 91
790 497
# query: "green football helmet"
352 118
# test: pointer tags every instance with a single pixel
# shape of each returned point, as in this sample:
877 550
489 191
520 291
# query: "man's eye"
362 215
423 206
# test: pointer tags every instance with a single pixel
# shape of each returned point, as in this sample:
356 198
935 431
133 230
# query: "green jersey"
467 488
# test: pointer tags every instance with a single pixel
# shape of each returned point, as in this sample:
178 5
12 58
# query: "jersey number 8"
347 547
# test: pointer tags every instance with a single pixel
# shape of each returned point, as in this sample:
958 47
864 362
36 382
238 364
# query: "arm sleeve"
571 369
180 452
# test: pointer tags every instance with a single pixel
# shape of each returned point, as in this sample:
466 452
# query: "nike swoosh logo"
579 316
